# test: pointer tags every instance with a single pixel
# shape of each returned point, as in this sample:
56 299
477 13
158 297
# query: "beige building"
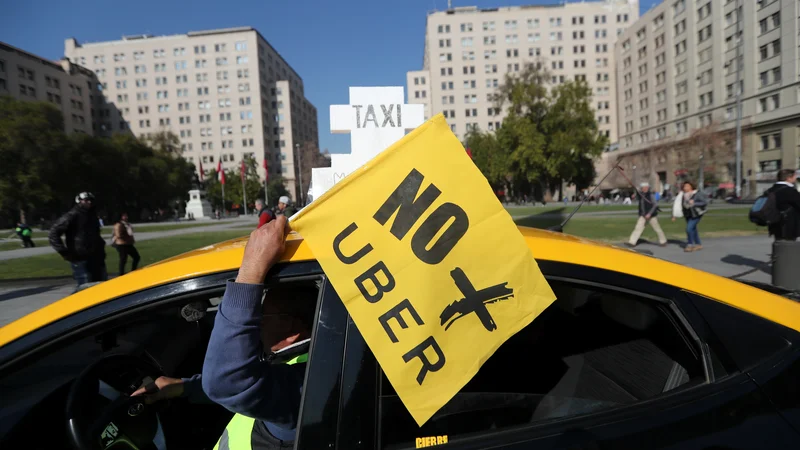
225 93
71 88
676 89
468 52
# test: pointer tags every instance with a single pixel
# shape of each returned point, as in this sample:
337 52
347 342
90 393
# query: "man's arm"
794 199
56 231
233 374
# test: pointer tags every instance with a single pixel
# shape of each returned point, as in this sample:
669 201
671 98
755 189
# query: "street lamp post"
634 175
701 178
738 103
300 172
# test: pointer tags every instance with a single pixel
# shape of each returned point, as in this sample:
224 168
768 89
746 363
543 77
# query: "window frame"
366 384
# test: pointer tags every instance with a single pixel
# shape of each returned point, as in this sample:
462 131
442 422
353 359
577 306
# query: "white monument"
375 118
198 207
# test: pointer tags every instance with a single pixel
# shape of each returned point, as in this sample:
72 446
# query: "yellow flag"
430 266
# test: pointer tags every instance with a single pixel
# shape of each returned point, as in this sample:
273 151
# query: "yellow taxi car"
635 353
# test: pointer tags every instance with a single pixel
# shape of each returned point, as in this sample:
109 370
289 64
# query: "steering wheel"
119 422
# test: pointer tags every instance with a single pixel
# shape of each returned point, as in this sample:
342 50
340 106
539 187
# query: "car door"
616 362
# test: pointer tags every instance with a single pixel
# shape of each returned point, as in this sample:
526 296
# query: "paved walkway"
722 256
140 236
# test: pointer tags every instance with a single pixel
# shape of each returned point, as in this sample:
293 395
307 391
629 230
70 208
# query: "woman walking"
123 241
691 205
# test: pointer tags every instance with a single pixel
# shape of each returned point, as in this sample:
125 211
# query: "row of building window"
532 23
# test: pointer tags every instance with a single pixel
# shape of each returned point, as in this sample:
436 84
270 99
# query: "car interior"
592 349
82 387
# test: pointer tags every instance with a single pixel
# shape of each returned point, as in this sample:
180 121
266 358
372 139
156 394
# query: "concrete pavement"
721 256
45 249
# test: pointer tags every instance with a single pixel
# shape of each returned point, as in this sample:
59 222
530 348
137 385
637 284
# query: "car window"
593 349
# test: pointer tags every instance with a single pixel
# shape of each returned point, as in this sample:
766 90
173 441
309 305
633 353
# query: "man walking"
283 207
84 247
265 215
787 201
648 210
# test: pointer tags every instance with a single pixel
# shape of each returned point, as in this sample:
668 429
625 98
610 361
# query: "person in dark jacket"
264 214
787 201
648 210
82 246
237 372
283 207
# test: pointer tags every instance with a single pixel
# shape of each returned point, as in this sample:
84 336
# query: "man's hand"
647 216
673 219
265 246
167 388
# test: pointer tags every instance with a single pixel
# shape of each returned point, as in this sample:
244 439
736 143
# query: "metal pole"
738 104
244 195
300 172
223 198
701 177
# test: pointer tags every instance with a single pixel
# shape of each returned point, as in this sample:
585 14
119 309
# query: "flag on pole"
220 172
469 152
201 171
428 263
266 169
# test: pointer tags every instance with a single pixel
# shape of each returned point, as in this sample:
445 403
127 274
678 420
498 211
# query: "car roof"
544 245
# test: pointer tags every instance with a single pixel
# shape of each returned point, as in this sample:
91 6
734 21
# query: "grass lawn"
153 250
14 243
716 223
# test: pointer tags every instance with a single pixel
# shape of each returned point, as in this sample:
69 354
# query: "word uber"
409 208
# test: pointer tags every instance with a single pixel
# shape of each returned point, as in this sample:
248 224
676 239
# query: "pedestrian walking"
283 207
123 241
24 232
693 205
648 210
787 202
265 215
82 245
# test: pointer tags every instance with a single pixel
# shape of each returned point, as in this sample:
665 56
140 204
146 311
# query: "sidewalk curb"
18 280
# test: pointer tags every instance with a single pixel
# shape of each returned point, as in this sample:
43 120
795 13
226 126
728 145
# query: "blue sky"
331 44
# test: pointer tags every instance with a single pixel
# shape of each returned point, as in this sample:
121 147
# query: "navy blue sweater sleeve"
233 375
193 390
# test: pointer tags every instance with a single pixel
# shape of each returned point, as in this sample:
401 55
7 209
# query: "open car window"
592 350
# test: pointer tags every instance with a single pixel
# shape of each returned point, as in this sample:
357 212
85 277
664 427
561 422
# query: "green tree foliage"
43 169
550 135
234 199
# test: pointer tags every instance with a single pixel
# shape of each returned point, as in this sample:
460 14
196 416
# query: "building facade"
227 94
677 87
468 51
69 87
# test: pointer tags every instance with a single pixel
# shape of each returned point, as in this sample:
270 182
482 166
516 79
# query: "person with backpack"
691 204
24 232
779 208
264 214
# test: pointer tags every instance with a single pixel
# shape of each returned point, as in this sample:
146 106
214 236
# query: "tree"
549 136
234 199
310 157
43 168
163 140
31 137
